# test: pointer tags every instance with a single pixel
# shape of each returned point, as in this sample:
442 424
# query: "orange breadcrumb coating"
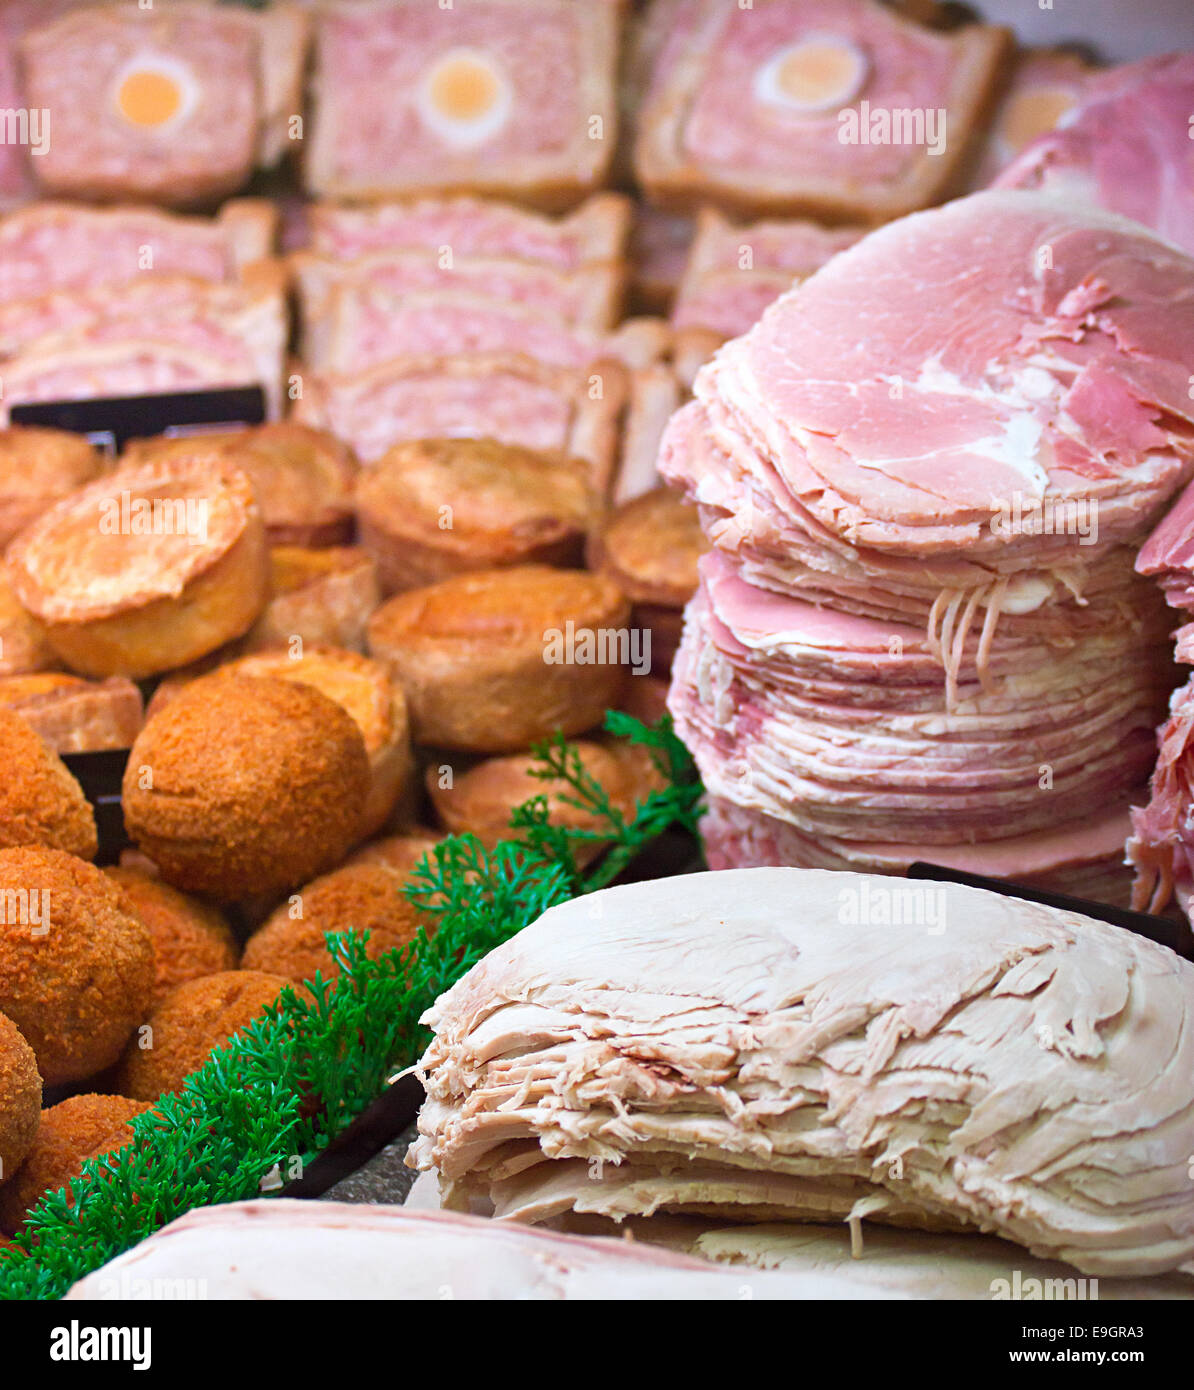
246 786
79 979
40 802
183 1029
363 897
71 1132
20 1099
190 938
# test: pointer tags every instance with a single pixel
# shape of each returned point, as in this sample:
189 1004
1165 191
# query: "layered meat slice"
1084 858
836 724
796 1044
287 1249
72 345
1124 147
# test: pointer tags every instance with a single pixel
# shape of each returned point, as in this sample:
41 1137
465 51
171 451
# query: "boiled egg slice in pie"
820 73
465 98
1032 113
155 92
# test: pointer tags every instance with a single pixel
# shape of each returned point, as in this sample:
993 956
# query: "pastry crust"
38 467
204 152
654 398
553 180
681 181
50 246
479 800
484 658
649 547
320 598
244 787
23 645
118 601
500 395
303 478
438 507
74 715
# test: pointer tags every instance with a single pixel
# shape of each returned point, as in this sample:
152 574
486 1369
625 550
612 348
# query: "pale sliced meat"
960 1059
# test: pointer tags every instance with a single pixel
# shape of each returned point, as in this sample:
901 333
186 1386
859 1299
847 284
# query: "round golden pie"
491 662
433 508
146 569
38 467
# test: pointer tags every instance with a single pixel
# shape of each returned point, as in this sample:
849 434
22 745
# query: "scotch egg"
465 98
154 92
820 73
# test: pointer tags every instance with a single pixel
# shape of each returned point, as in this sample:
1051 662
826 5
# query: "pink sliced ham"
1084 858
1125 147
1161 848
925 474
837 724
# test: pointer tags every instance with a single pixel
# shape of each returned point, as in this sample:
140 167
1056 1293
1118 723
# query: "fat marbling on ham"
775 1044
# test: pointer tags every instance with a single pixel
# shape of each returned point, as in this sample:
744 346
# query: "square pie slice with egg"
175 105
838 109
513 97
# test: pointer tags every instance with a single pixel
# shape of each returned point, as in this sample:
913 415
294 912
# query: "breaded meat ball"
187 1025
190 938
246 786
366 897
71 1132
20 1099
40 802
76 969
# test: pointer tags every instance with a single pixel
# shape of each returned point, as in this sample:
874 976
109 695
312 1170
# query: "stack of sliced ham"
1162 844
924 475
464 317
132 301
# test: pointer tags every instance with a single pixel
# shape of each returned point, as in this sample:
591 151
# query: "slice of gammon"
1125 147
